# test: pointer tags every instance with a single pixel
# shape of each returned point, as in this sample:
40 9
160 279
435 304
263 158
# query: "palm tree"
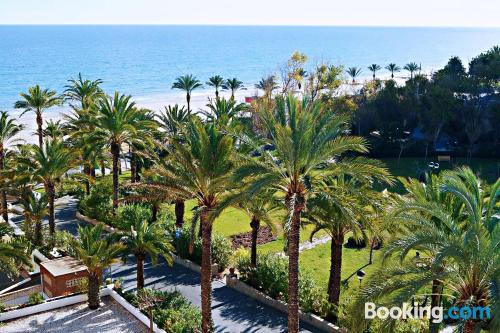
374 68
451 220
393 68
97 253
37 100
188 83
306 138
53 130
412 68
200 168
216 81
13 252
86 92
353 72
118 122
35 209
232 84
47 165
339 207
223 111
144 239
8 130
268 84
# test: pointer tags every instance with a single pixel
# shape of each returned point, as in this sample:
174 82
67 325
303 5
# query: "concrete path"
232 312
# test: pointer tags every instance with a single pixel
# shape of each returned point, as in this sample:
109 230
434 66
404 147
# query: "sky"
445 13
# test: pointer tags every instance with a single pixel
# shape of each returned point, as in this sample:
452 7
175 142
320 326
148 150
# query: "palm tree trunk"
103 168
255 225
50 190
115 152
370 260
179 213
38 233
154 211
469 326
3 193
93 291
140 271
335 269
435 302
206 273
86 171
39 122
133 167
188 99
293 273
151 321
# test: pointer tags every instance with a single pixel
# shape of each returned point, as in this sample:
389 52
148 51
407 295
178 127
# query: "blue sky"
479 13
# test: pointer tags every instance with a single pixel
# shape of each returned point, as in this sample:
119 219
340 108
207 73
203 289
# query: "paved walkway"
232 312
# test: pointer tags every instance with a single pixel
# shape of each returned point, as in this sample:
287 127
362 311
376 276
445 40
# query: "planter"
311 319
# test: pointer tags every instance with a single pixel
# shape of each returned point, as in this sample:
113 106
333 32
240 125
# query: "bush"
271 277
221 249
2 307
71 187
35 298
353 243
127 215
99 204
175 314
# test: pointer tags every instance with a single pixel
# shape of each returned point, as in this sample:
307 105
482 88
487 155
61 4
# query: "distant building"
62 276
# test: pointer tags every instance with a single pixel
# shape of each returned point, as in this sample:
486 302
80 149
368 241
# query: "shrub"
99 204
71 187
35 298
2 307
353 243
127 215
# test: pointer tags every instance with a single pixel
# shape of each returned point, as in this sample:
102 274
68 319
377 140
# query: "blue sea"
144 60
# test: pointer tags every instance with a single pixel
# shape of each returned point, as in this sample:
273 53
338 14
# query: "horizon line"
255 25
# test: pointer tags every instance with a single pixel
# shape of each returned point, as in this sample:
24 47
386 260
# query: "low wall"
87 219
193 266
311 319
20 293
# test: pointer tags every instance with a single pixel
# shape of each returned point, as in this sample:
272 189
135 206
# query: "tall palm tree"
234 85
97 253
338 207
37 100
119 122
223 111
145 239
374 68
306 138
200 168
393 68
353 72
452 222
47 165
188 83
268 84
84 91
216 81
411 67
8 131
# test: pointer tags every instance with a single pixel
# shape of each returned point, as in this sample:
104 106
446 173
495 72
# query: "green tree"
145 239
353 72
118 121
307 139
35 209
234 85
268 85
188 83
53 130
97 253
13 252
223 111
412 67
83 91
393 68
9 128
200 168
374 68
37 100
216 81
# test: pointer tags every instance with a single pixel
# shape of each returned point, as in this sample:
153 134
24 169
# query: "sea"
143 61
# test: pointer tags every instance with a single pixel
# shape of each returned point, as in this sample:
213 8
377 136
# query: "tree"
8 131
47 166
393 68
200 168
84 91
118 122
53 130
188 83
374 68
35 209
353 72
222 111
37 100
412 68
13 252
216 81
306 138
340 206
233 84
145 239
97 253
268 84
147 299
